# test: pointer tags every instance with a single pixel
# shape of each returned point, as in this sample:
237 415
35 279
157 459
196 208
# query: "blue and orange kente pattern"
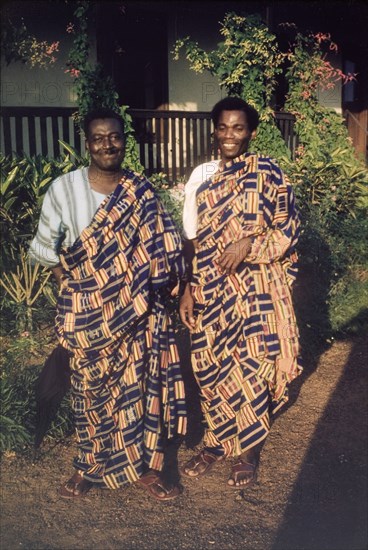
245 346
127 390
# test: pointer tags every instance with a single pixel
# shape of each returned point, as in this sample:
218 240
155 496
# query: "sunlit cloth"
245 346
128 392
67 208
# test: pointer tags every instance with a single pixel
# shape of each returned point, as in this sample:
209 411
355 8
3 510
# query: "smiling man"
241 227
115 253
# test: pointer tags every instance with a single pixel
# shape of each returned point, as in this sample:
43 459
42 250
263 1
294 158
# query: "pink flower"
54 47
70 28
73 72
321 37
300 151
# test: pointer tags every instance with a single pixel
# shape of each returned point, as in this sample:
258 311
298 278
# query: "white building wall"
22 86
331 97
188 90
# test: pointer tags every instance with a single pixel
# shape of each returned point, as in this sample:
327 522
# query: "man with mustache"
115 253
241 227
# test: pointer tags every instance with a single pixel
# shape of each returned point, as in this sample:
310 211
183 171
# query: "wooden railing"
172 142
357 124
37 130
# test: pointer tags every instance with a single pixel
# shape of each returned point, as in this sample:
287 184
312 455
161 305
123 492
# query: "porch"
172 142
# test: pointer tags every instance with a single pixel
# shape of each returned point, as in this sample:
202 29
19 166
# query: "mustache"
110 150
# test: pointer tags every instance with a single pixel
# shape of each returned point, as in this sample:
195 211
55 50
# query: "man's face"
105 142
232 134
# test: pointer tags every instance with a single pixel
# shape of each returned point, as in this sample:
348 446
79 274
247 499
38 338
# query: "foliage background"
330 184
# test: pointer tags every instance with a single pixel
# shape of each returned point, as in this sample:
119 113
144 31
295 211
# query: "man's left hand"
233 255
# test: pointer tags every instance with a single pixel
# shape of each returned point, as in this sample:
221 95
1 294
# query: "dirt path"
311 493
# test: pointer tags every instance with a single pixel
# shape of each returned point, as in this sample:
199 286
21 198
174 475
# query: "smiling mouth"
229 145
110 153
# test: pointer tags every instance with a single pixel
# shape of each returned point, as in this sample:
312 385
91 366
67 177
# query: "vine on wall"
246 63
93 87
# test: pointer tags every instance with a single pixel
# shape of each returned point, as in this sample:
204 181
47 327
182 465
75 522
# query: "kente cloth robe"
127 389
245 346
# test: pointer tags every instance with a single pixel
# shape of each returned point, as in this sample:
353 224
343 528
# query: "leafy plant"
24 286
246 63
17 44
171 196
24 183
320 130
18 408
13 435
336 184
93 87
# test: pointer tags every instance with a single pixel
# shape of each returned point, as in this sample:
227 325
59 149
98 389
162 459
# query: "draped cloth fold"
127 390
245 346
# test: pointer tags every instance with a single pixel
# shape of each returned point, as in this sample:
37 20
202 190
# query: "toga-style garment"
127 389
245 347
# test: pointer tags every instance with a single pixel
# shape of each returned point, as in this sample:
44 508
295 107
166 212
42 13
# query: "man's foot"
243 475
200 464
75 487
245 470
157 487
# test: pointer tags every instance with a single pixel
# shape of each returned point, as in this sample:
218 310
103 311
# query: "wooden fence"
357 124
172 142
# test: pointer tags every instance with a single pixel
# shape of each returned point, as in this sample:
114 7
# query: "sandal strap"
150 478
205 456
200 464
153 483
243 466
202 457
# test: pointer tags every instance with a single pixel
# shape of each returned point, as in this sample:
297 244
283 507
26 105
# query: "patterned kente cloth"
245 344
127 390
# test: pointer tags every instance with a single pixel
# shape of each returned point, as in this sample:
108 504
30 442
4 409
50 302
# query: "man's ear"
86 145
253 134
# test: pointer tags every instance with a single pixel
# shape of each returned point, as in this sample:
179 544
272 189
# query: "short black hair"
236 104
102 112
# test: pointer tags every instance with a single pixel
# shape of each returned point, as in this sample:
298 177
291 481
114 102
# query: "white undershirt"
68 207
190 214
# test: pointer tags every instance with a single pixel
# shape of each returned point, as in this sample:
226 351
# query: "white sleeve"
190 215
45 245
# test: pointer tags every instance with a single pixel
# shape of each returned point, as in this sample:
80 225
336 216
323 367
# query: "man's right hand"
186 307
57 272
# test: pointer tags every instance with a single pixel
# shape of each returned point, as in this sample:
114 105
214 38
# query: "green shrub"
24 183
18 405
246 63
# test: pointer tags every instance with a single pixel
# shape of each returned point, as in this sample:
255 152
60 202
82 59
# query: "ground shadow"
310 294
195 426
195 418
328 507
310 297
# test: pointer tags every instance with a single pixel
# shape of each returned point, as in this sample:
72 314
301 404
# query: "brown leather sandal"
153 483
243 471
200 464
75 487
